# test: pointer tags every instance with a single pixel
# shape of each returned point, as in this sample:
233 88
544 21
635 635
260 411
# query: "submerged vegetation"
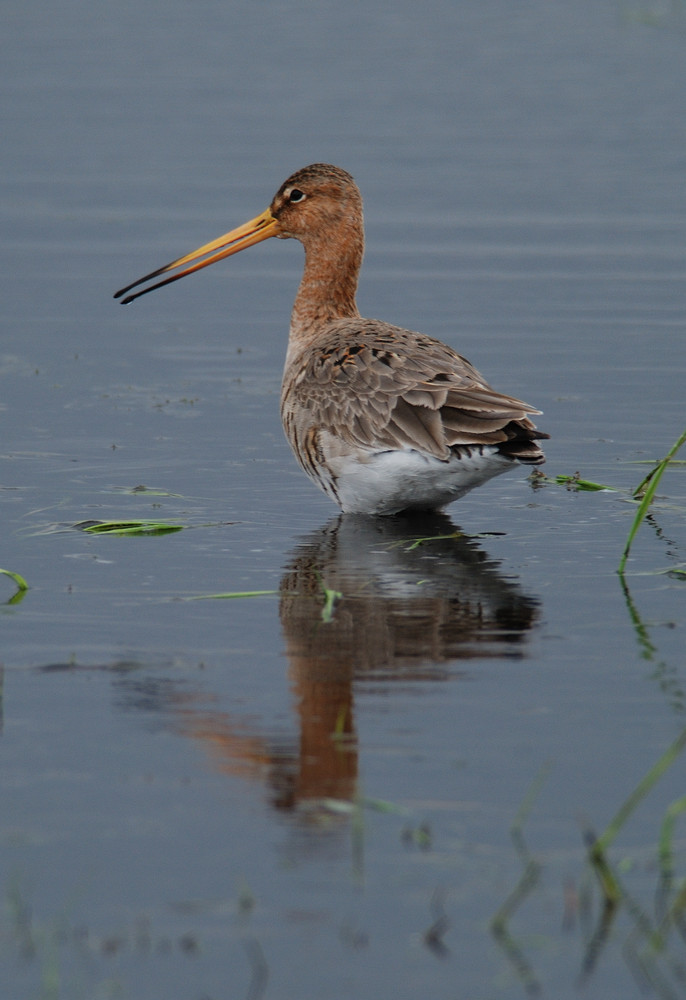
649 937
643 494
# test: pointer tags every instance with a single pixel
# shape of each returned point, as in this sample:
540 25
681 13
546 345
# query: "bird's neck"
328 286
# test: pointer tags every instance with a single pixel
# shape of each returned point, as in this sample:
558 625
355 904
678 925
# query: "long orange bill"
258 229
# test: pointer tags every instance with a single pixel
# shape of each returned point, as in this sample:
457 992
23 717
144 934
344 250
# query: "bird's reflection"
414 594
366 602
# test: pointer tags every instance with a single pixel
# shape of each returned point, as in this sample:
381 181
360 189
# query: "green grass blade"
575 482
231 595
647 488
597 851
19 580
330 598
668 458
644 786
666 851
128 527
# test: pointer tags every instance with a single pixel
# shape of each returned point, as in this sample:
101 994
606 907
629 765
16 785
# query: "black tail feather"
521 445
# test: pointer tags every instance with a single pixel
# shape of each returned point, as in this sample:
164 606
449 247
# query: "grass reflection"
646 948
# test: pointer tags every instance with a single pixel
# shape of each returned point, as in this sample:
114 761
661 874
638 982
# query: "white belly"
387 482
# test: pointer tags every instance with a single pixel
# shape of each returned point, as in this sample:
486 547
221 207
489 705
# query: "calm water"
271 796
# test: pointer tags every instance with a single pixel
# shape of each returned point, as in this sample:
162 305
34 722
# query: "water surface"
312 793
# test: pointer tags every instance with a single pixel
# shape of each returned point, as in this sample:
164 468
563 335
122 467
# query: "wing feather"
374 385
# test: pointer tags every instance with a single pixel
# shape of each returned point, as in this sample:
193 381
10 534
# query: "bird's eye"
296 195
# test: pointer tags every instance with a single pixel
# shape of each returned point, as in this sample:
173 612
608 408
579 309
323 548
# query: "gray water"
268 796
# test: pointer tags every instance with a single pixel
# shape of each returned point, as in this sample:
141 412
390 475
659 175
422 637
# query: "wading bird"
381 418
